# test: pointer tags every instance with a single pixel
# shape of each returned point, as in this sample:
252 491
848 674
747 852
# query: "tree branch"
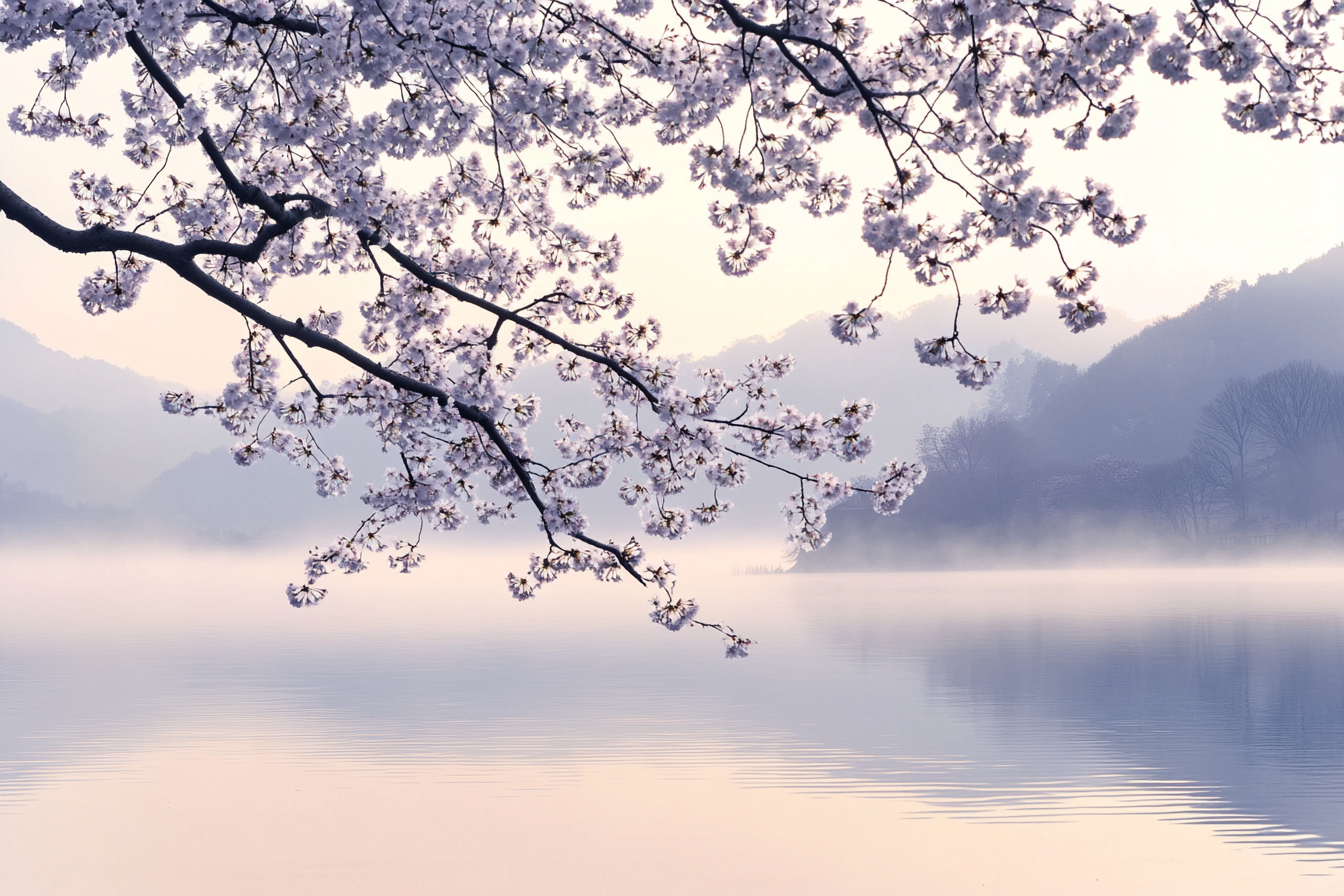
614 551
251 252
781 37
424 276
248 194
181 260
303 373
283 22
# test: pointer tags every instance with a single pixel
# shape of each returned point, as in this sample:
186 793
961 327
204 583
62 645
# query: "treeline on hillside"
1267 452
1266 461
1142 400
24 511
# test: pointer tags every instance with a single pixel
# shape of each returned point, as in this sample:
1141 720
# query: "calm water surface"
170 725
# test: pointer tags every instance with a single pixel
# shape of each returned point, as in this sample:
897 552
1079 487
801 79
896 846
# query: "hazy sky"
1219 205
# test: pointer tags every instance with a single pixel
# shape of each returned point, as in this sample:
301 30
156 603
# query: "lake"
169 725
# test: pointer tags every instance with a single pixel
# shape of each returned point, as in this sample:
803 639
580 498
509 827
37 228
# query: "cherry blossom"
303 113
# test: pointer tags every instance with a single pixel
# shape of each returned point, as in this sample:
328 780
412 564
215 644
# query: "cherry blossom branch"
424 276
530 104
279 20
248 194
252 252
303 373
614 551
179 259
782 37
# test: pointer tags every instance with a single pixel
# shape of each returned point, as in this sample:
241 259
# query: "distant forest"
1265 466
1217 432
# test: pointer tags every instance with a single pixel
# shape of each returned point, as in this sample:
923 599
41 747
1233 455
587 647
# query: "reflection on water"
1184 720
1231 689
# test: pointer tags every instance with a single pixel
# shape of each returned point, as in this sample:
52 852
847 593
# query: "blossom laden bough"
304 110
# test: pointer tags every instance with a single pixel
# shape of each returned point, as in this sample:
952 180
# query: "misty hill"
84 430
208 496
26 512
81 433
1098 464
85 446
1141 400
908 394
49 380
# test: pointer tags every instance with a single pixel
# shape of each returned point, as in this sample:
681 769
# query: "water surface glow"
170 726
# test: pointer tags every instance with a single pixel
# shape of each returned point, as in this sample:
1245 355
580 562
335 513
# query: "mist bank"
863 542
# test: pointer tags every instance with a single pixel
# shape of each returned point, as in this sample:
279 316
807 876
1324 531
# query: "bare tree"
1294 407
989 458
1297 409
962 448
1182 496
1225 443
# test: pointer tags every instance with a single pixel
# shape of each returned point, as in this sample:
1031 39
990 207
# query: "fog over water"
171 725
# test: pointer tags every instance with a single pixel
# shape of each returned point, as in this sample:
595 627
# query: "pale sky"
1219 204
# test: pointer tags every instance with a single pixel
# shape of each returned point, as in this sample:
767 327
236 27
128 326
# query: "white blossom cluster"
304 111
1283 62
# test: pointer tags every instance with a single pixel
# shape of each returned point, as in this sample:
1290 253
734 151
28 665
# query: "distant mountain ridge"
908 394
81 432
1142 399
85 430
49 380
